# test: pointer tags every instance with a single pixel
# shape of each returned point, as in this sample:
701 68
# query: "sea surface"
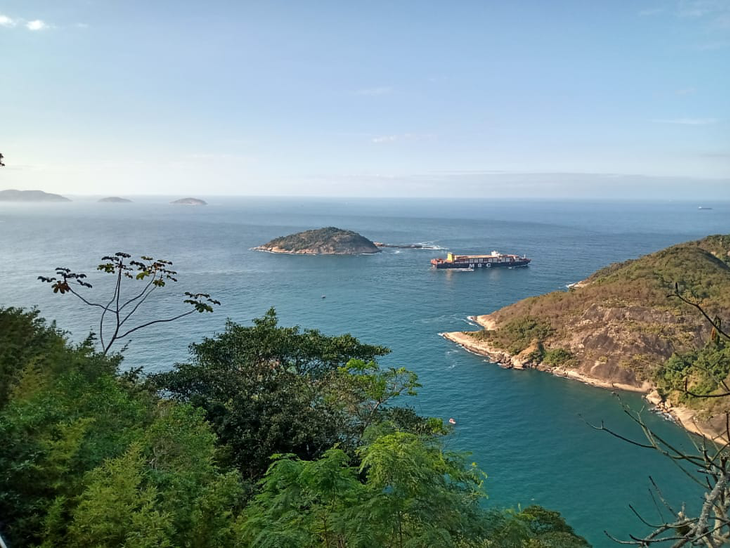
527 430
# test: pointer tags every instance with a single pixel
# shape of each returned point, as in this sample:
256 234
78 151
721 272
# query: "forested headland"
633 325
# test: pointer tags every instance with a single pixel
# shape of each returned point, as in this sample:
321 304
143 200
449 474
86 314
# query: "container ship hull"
473 262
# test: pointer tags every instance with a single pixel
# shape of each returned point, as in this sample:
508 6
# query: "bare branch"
138 304
153 322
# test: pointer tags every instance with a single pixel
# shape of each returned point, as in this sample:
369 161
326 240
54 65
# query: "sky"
482 98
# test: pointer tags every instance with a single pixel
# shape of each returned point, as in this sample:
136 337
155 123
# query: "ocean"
529 431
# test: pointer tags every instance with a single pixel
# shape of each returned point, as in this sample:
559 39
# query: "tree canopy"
270 436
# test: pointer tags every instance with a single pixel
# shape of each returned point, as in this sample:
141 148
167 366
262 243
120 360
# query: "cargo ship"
470 262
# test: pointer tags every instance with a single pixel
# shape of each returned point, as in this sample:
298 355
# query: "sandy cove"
683 416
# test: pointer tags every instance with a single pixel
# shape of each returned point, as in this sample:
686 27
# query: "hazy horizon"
583 187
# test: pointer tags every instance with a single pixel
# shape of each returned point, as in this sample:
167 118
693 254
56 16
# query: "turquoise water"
523 428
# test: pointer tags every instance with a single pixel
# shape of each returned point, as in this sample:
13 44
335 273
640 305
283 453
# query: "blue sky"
611 98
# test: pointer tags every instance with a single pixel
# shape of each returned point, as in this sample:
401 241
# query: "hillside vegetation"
322 241
623 325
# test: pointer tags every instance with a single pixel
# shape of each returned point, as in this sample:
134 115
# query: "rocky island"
190 202
30 196
622 328
115 200
323 241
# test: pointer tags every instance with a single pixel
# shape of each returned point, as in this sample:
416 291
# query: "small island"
190 202
322 241
30 196
114 200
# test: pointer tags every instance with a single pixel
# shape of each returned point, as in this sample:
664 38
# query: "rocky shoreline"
684 416
280 251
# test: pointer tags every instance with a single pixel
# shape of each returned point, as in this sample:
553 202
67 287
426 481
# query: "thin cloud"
688 121
33 26
700 8
401 137
686 91
714 15
715 12
6 21
382 90
36 25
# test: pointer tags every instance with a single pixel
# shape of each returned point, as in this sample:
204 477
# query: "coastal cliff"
322 241
622 328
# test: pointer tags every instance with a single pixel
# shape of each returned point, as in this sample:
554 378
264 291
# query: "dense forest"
268 436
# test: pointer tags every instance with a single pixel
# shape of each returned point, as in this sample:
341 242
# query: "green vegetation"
517 335
695 373
557 357
267 389
325 241
269 437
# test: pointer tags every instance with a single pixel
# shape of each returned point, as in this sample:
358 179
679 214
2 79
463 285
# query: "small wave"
439 319
431 246
663 414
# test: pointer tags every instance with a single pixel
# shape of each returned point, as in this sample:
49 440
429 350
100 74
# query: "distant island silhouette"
115 200
190 201
13 195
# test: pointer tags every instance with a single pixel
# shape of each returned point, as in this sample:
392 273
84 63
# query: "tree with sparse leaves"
119 309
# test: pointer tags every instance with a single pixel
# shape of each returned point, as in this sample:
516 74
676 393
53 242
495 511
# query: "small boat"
452 421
